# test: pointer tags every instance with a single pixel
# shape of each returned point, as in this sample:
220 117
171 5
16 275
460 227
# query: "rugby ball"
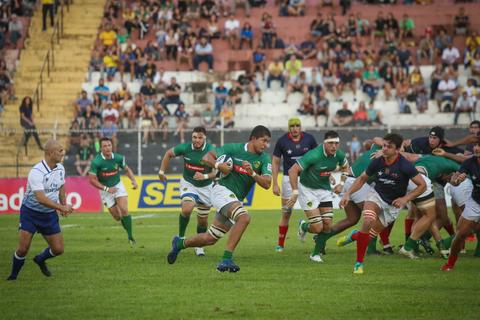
224 159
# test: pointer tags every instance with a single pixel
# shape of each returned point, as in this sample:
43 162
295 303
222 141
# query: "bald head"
51 145
53 152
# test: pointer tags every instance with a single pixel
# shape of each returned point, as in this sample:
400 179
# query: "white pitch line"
69 226
143 216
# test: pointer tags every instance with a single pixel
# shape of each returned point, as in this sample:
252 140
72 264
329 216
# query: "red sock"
282 234
449 228
385 235
408 226
362 244
355 236
451 260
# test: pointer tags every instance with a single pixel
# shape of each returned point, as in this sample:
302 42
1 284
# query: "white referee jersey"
43 178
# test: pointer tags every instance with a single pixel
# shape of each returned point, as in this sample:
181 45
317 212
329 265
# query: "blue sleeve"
373 167
277 152
409 169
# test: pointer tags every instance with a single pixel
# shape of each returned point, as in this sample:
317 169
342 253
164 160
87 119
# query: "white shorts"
286 188
388 213
358 196
461 193
201 195
428 190
221 196
108 199
438 190
471 211
310 199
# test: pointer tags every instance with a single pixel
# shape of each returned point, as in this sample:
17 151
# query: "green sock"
227 255
372 245
305 226
201 229
320 242
127 225
477 248
181 243
447 242
410 244
182 225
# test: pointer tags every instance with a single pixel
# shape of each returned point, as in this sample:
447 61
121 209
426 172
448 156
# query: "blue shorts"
45 223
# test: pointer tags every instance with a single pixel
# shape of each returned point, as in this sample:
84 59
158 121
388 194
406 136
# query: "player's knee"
202 213
316 224
57 250
369 216
240 214
287 211
214 234
21 251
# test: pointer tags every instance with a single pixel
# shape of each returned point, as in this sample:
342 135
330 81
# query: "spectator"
227 116
345 4
109 130
209 117
208 8
27 122
213 29
343 117
246 35
306 107
243 3
110 61
435 79
308 49
149 93
421 100
150 70
360 117
292 69
203 53
129 20
461 22
442 40
347 79
374 115
292 49
258 61
102 91
404 57
232 29
321 108
355 148
96 64
450 56
403 90
464 104
447 88
275 72
363 25
81 106
110 114
148 122
84 156
416 82
171 44
193 10
6 87
389 82
224 7
298 85
47 9
221 95
15 28
330 83
371 82
406 27
268 31
234 94
315 82
392 23
317 26
108 36
172 95
75 134
182 118
426 49
251 86
296 7
475 64
161 120
380 27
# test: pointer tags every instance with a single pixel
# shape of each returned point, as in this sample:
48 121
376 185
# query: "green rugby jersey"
436 166
317 167
192 159
108 170
238 181
361 164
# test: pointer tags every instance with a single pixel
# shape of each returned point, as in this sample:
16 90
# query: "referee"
45 196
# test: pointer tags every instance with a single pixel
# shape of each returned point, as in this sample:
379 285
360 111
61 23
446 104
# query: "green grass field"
101 277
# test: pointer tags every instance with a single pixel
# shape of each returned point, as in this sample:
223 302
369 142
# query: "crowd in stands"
14 20
340 54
